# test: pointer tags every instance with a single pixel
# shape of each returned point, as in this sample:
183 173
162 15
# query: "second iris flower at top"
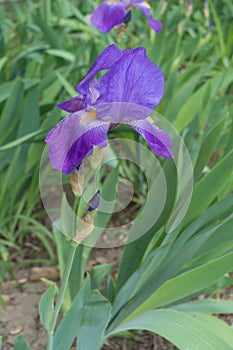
113 12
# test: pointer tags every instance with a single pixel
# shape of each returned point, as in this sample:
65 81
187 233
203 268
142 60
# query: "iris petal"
121 112
111 13
159 141
125 94
106 60
134 79
73 139
106 16
73 105
154 24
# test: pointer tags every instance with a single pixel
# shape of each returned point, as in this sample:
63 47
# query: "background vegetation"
46 48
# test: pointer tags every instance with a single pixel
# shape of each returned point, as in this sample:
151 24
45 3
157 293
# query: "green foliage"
88 314
46 307
211 184
46 48
98 273
208 306
185 330
37 67
20 344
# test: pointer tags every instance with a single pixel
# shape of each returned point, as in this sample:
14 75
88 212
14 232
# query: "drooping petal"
106 60
133 79
108 15
159 141
73 105
73 139
145 8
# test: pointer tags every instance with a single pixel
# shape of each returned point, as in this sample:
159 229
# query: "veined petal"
73 139
121 112
159 141
145 8
110 58
133 79
105 61
108 15
73 105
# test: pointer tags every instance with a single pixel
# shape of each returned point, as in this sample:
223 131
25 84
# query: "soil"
21 317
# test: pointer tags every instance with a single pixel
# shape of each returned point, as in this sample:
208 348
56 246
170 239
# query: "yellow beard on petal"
145 3
150 120
112 1
88 117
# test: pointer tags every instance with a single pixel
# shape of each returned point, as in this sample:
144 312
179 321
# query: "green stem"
61 294
69 263
50 340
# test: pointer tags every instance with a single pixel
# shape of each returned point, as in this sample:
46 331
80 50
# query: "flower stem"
61 294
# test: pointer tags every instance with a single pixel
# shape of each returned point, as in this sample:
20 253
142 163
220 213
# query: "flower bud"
188 8
86 224
77 180
94 202
164 7
180 27
206 10
85 228
98 155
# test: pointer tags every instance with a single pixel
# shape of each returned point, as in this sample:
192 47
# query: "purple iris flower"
113 12
126 94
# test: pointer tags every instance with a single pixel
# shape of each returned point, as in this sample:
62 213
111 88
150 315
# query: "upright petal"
108 15
73 139
106 60
145 8
159 141
133 79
